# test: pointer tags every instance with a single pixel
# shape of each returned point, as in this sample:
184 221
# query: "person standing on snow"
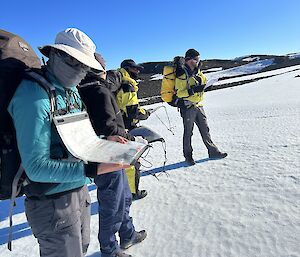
127 98
57 203
113 192
97 94
132 113
189 86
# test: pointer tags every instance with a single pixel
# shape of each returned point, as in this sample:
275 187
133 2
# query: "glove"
195 89
143 114
149 111
198 88
140 139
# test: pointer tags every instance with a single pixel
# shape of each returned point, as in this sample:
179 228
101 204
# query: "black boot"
218 155
139 195
190 161
138 237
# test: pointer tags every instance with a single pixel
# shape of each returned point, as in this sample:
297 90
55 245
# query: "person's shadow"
23 230
169 167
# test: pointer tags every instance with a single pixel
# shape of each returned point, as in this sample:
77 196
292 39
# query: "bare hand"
110 167
118 139
140 139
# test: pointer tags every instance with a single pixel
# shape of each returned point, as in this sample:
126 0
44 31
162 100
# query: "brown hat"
101 60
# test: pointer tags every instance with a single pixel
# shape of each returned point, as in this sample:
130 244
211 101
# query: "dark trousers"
61 225
191 116
114 199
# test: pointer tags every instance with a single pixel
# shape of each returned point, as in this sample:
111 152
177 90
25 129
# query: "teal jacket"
39 144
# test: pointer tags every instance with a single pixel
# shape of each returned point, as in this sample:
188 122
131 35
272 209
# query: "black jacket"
102 108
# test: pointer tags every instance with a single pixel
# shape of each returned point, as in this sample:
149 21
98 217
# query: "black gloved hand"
150 111
140 139
196 89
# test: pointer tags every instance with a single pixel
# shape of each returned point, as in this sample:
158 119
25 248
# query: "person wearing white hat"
57 203
71 57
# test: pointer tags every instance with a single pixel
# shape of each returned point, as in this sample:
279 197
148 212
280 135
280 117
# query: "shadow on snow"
169 167
23 229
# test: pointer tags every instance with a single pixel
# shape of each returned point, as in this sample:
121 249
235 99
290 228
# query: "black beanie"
191 53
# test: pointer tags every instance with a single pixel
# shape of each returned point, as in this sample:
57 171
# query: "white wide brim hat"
76 44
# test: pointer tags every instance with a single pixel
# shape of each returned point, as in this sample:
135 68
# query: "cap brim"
78 55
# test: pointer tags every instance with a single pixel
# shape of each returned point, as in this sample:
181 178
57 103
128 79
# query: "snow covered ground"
247 74
245 69
294 55
246 205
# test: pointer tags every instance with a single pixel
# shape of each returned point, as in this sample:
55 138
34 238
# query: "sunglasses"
71 61
97 72
196 60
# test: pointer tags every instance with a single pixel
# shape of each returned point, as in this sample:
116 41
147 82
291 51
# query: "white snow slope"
246 205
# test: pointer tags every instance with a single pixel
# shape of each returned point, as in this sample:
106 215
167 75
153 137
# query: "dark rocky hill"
151 88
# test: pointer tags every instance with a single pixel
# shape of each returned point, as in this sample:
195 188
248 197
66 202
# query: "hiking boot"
139 195
137 238
119 253
218 155
190 161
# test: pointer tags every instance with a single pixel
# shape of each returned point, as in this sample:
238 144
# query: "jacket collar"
127 79
189 71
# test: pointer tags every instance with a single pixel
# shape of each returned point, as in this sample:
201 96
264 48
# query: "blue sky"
159 30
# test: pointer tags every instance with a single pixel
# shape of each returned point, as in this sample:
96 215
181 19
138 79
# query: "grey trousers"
61 225
191 116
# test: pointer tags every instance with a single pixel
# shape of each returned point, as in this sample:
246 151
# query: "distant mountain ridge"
152 74
280 61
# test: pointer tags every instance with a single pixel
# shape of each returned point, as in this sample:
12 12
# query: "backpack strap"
168 74
187 77
15 191
49 88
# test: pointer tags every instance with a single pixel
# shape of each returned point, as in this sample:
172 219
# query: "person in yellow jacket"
132 112
189 86
127 97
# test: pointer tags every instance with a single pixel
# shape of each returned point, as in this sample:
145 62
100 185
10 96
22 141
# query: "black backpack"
114 81
16 57
18 61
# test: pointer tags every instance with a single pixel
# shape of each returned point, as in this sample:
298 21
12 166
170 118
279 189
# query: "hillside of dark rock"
151 88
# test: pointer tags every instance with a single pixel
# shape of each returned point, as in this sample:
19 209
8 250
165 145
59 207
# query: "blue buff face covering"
68 76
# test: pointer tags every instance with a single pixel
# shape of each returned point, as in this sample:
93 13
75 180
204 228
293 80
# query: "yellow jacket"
128 102
181 87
